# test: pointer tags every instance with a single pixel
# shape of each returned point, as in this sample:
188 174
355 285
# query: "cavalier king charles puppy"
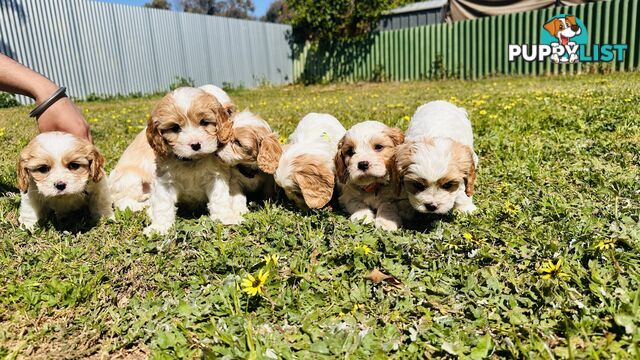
253 153
364 164
61 173
437 164
132 178
185 130
306 170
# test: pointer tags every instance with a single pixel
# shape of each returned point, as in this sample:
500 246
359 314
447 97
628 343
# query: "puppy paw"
386 224
29 226
135 206
228 219
466 208
156 229
366 216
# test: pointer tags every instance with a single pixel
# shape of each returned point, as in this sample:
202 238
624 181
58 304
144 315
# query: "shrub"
7 100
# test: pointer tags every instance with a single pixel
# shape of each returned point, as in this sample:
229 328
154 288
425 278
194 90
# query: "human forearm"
17 78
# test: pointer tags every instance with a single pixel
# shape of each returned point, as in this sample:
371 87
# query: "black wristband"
59 94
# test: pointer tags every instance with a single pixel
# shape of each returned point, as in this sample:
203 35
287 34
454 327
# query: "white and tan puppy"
253 153
186 128
437 164
364 164
61 173
131 180
306 170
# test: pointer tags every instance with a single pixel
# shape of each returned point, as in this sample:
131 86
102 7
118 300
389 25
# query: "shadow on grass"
75 223
427 222
8 188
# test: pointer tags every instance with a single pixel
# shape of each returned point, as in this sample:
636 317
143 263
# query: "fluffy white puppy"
306 170
437 164
364 164
253 153
132 178
186 128
61 173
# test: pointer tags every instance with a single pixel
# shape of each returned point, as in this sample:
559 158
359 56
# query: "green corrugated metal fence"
470 49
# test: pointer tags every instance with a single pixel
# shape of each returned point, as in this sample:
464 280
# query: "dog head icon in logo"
564 33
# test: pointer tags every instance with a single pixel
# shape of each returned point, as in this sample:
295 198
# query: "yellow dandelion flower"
493 116
483 112
467 236
364 248
507 107
273 259
606 244
510 208
282 139
549 270
253 285
406 118
627 100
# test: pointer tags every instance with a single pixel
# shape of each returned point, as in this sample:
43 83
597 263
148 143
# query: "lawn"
559 182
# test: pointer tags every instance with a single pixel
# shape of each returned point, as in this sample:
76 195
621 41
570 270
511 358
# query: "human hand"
64 116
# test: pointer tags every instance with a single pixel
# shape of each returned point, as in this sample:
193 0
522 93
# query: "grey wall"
109 49
412 19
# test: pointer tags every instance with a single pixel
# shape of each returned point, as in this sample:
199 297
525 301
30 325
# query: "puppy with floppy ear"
185 130
253 153
306 170
437 164
365 165
61 173
132 179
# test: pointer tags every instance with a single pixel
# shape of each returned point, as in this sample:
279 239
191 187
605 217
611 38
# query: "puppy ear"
553 27
97 165
269 154
470 180
341 166
224 125
155 139
396 135
230 109
316 182
463 155
23 175
571 20
400 163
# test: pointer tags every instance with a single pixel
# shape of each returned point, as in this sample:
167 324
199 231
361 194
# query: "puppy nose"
195 146
363 165
60 185
431 206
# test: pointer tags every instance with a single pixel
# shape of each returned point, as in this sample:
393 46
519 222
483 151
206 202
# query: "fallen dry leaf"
377 276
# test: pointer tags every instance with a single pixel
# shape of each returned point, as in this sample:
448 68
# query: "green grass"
559 172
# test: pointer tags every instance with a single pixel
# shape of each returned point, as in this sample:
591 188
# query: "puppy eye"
378 147
43 169
174 128
205 122
419 186
73 166
349 152
448 185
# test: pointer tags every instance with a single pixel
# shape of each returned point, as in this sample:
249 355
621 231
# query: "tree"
329 20
239 9
158 4
278 12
